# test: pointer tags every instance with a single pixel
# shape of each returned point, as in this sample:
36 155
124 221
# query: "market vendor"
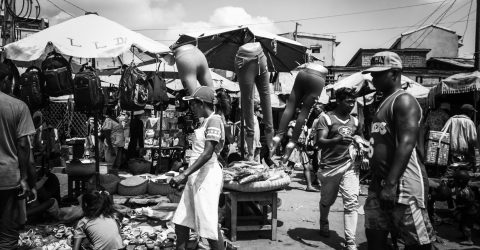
198 207
115 140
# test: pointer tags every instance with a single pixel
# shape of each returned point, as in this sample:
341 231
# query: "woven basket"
109 182
175 196
260 186
158 188
139 166
80 169
132 186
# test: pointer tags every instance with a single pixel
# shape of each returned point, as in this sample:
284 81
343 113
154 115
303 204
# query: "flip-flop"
312 190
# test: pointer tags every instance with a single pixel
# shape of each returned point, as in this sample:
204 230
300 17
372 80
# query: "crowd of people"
328 142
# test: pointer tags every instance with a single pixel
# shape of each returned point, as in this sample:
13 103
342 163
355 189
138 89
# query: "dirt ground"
298 226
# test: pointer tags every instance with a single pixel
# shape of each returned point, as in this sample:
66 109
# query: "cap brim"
376 69
188 98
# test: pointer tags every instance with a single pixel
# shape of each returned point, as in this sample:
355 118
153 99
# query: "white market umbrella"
88 36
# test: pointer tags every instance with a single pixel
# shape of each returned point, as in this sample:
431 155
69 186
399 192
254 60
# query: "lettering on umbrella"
71 43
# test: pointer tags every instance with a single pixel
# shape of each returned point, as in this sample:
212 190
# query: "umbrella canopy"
459 83
221 46
363 82
88 36
218 80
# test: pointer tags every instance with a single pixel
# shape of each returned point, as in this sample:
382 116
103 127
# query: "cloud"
130 13
165 18
223 17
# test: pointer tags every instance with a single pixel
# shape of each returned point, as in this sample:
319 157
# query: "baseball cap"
204 94
468 107
384 60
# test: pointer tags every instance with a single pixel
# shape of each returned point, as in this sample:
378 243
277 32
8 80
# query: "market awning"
458 83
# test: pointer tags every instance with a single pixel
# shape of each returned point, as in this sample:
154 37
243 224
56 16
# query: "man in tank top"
397 195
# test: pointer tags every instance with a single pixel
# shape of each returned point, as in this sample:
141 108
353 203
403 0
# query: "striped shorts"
409 222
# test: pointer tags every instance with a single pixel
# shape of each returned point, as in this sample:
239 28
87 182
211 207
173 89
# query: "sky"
374 27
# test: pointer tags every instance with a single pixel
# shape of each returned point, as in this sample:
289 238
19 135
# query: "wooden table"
265 198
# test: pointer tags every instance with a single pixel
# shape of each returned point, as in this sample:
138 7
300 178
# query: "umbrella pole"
160 135
97 151
475 106
242 135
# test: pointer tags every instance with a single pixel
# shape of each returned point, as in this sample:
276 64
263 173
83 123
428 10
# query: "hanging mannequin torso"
192 67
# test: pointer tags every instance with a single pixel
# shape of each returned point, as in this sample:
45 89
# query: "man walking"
397 194
338 173
17 175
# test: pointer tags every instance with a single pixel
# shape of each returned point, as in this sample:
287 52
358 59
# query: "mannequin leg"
204 75
287 116
263 87
246 78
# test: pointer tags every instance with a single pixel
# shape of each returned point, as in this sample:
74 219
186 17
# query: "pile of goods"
249 176
47 238
128 185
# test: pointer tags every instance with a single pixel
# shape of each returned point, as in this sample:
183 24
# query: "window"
316 48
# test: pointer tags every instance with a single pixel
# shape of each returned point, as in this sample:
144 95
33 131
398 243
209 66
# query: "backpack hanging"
88 91
58 75
29 89
159 96
133 89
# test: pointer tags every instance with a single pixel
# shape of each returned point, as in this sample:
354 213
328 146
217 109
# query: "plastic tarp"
88 36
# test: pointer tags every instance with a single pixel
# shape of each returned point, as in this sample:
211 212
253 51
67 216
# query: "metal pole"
477 39
97 151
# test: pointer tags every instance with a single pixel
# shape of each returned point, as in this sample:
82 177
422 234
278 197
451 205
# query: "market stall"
457 89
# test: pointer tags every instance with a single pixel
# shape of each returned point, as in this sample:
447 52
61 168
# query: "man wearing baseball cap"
398 191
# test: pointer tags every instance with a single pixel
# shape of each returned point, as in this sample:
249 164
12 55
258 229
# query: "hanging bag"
88 91
58 75
159 96
29 89
133 89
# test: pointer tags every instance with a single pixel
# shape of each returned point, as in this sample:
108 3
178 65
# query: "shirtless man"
397 195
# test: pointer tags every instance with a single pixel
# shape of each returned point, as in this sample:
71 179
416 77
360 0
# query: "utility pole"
296 30
476 54
8 25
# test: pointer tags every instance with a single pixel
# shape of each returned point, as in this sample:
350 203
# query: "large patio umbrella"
88 36
221 46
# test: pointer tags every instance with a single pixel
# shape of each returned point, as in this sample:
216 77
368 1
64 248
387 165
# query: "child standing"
466 206
99 225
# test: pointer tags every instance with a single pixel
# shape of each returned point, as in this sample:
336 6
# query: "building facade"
321 47
441 41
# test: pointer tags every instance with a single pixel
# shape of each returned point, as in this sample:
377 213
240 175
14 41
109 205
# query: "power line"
389 28
58 7
435 22
356 31
76 6
468 16
305 19
418 24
